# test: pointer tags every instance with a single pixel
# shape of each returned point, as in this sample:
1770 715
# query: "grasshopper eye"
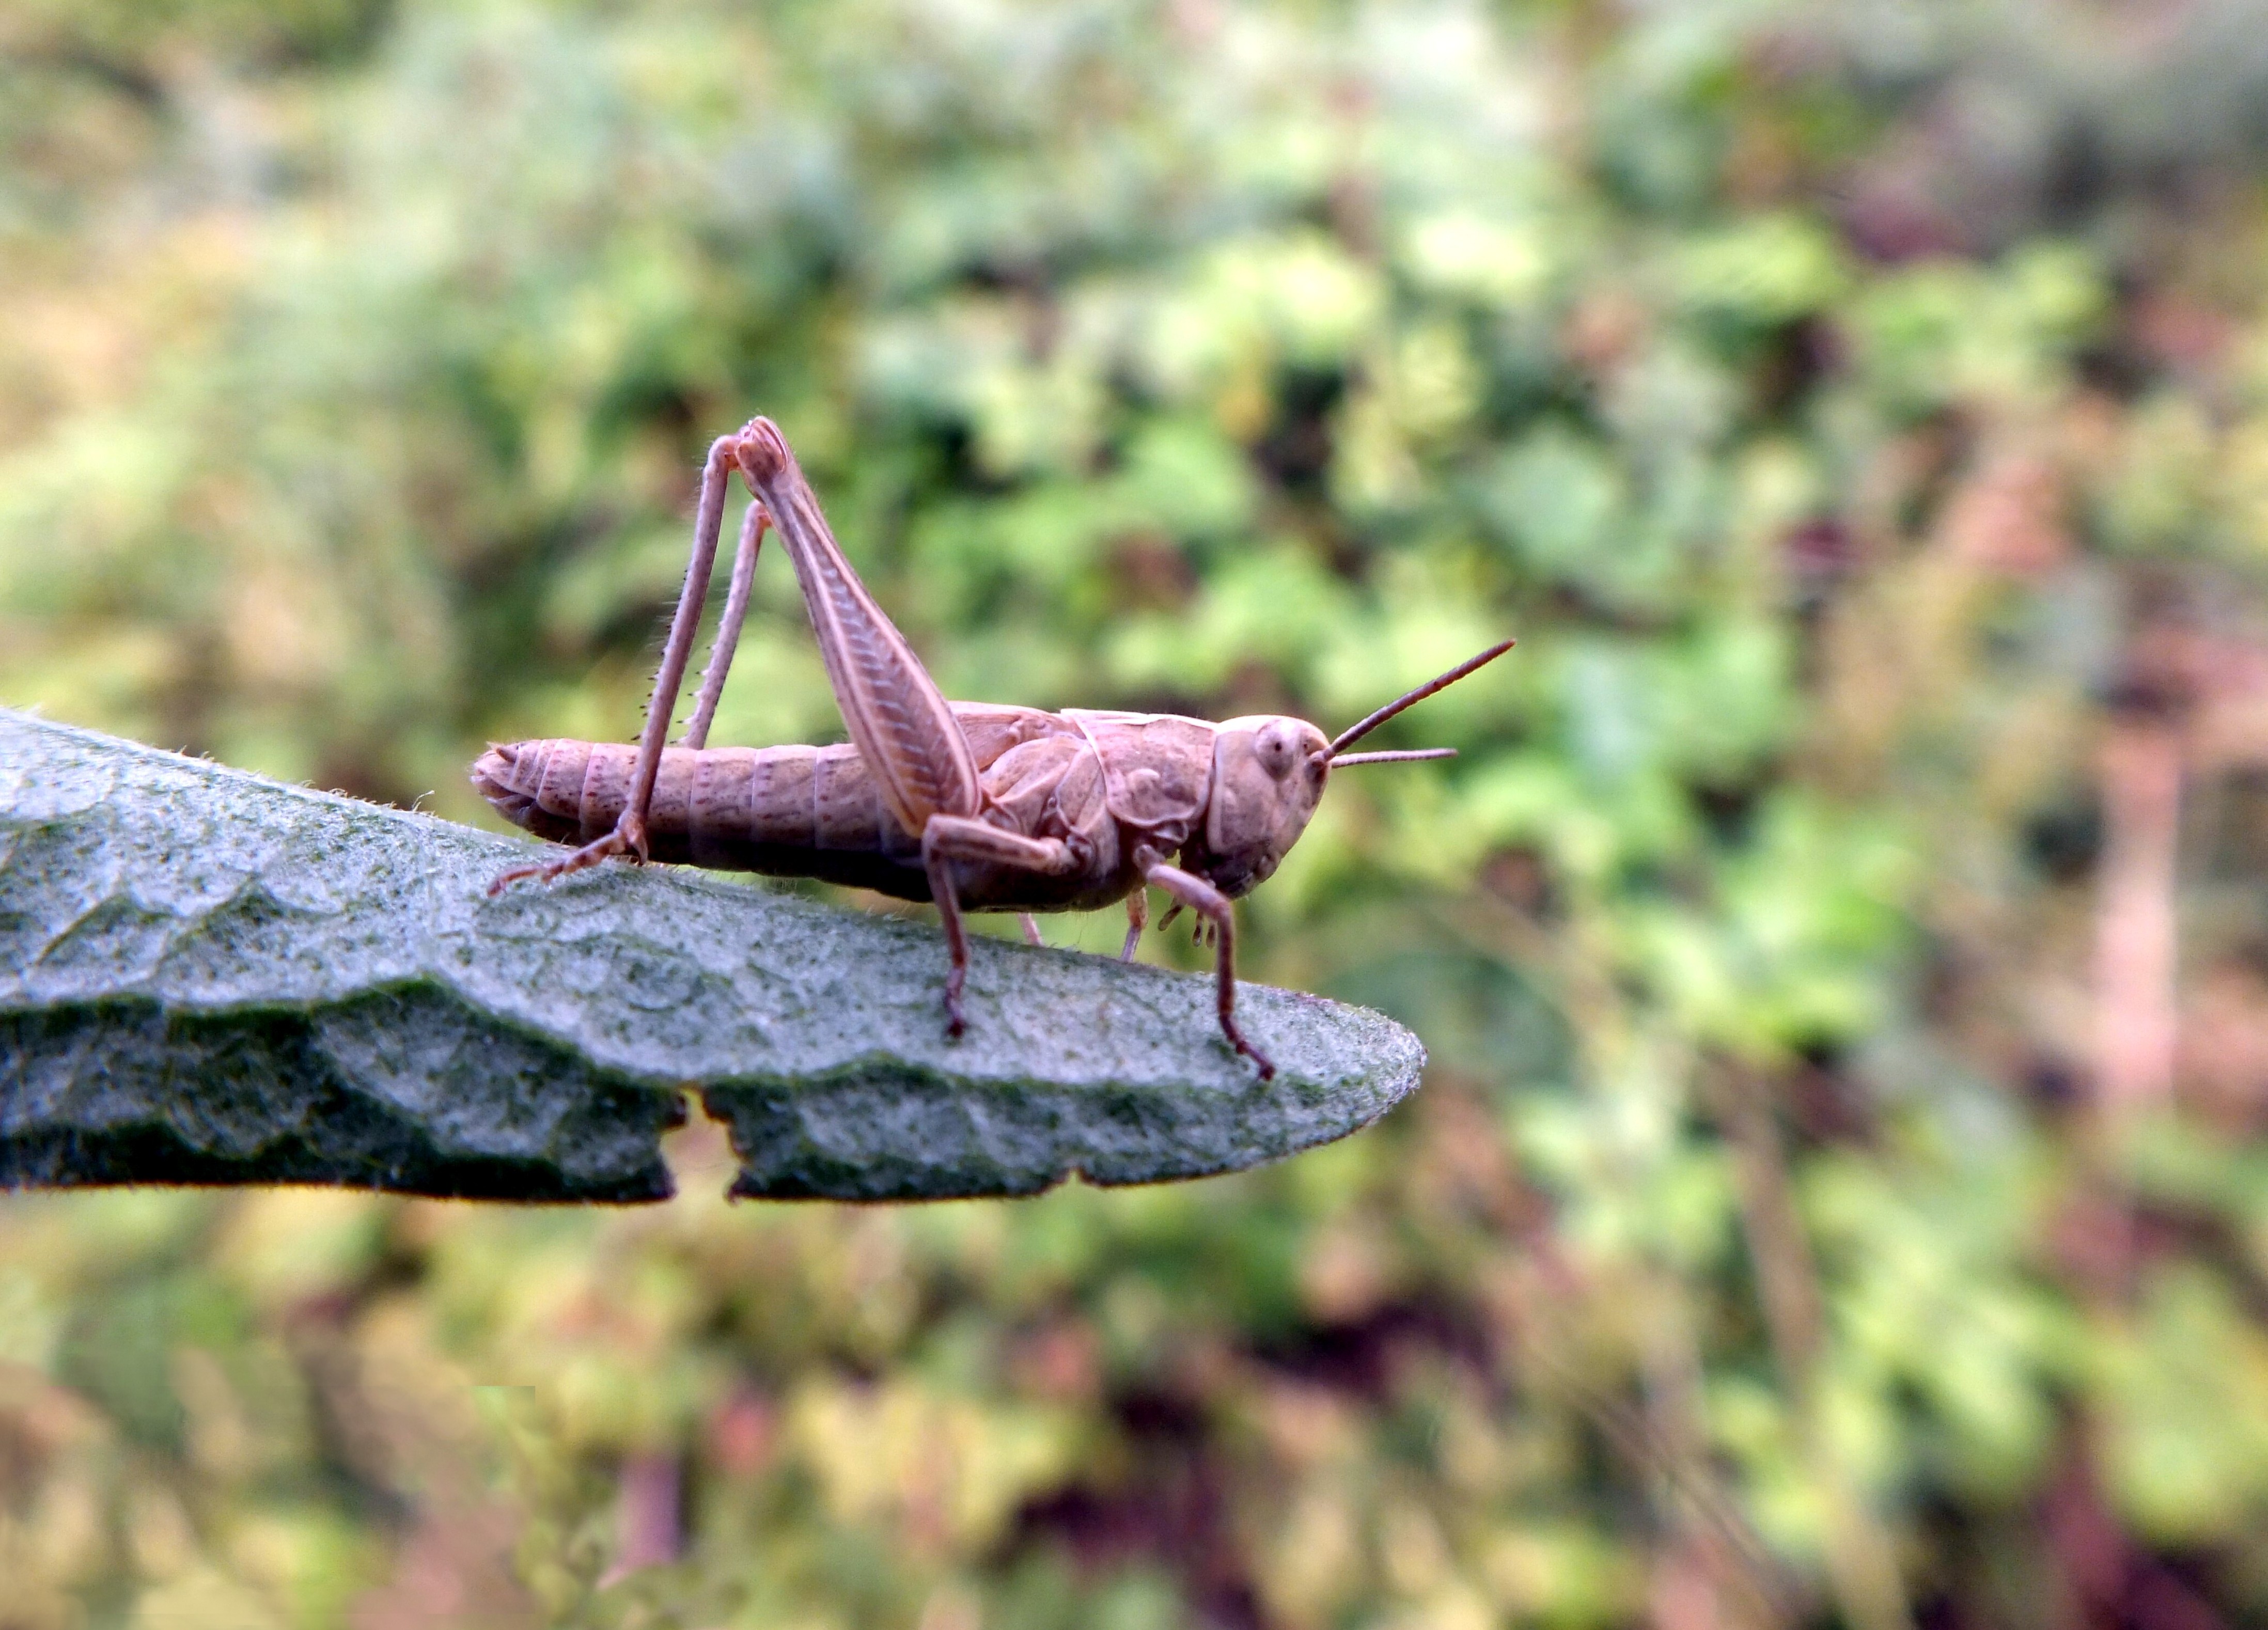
1277 751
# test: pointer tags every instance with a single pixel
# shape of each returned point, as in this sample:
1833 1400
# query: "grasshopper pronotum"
972 806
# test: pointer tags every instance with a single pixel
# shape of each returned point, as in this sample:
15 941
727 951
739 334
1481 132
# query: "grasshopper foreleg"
1214 908
1138 918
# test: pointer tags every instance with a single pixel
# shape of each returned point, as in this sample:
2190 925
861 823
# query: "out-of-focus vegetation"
1840 1196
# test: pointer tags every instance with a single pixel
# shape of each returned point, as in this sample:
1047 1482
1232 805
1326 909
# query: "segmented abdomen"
752 809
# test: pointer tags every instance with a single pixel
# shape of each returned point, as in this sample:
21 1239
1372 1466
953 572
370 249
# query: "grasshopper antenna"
1403 756
1347 737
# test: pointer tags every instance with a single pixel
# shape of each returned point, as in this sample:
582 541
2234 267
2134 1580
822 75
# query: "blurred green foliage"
1841 1195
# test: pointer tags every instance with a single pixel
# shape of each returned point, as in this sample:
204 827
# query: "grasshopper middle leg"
948 838
1138 918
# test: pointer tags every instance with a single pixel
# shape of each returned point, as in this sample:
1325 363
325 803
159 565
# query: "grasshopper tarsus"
938 868
968 805
628 839
956 1017
1138 911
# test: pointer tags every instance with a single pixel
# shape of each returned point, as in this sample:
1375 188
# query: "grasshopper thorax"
1268 776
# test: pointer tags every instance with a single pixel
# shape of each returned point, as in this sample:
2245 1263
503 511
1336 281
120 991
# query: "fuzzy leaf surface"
207 976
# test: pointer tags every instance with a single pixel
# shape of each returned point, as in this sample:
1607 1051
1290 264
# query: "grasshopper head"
1268 775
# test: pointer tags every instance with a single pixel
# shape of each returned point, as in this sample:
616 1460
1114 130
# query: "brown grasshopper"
971 806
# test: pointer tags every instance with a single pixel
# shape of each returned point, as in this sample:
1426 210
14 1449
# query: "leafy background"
1840 1196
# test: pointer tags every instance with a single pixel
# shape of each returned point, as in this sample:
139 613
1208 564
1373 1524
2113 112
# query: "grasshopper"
968 805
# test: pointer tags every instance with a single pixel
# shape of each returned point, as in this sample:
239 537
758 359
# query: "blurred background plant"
1840 1195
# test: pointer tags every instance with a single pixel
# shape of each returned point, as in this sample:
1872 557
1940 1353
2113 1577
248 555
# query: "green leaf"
206 976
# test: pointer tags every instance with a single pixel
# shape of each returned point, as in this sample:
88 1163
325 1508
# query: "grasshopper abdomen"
786 811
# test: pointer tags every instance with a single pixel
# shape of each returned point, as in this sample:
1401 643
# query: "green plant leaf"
206 976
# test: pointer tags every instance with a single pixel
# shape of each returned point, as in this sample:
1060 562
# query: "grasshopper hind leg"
728 626
630 833
551 871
